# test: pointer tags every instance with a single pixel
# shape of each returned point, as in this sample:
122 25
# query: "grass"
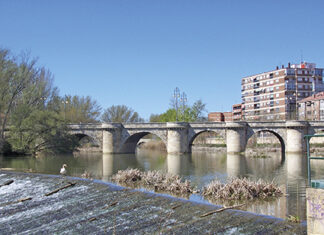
293 219
241 189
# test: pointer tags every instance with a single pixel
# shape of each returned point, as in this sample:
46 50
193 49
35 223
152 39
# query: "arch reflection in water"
235 165
112 163
264 167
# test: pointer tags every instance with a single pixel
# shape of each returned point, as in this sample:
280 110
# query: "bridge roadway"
179 136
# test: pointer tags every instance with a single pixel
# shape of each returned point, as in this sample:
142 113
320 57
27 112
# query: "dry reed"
241 189
154 179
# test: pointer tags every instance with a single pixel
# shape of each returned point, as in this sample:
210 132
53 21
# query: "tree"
120 113
75 109
169 116
155 117
29 107
42 131
185 114
23 89
198 110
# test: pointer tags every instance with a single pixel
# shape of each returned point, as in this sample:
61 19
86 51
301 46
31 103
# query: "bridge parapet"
153 125
83 126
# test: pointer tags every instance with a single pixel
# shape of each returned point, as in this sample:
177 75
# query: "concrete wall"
315 210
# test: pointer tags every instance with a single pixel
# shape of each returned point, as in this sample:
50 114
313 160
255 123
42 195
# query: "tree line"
37 116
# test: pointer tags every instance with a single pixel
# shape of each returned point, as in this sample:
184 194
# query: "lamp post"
183 100
176 96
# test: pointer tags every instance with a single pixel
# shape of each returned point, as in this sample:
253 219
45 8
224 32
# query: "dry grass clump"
87 175
241 189
154 179
127 176
167 182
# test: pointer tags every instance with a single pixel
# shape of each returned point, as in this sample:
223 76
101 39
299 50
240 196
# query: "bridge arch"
129 143
274 133
213 133
84 138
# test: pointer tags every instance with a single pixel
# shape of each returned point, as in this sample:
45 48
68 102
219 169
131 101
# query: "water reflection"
236 165
199 167
111 163
179 165
296 184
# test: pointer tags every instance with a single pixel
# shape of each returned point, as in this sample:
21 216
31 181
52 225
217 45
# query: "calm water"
199 167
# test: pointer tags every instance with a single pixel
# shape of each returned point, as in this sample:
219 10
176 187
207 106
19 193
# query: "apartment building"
312 108
272 95
220 116
237 112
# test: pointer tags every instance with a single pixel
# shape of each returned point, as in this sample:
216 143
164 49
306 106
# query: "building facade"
220 116
312 108
274 95
237 112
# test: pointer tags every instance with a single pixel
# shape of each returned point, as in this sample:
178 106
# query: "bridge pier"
235 137
177 138
295 136
111 135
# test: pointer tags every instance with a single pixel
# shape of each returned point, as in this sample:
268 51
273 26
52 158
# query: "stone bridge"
179 136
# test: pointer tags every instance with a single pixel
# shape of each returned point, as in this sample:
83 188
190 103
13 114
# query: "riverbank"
96 207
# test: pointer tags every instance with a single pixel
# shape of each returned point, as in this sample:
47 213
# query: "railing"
308 137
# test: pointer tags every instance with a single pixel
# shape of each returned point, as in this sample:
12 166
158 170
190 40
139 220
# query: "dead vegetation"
234 189
154 180
241 189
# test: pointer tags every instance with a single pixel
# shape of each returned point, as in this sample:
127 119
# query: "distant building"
220 116
272 95
312 108
237 112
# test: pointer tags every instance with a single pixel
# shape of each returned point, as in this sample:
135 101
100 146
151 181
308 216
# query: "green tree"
29 106
169 116
120 113
42 131
75 109
185 114
155 118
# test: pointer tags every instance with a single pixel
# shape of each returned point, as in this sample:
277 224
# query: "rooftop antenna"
301 56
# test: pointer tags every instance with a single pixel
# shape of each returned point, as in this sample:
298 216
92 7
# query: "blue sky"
136 52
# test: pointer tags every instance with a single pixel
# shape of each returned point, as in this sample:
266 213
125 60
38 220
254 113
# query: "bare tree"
120 113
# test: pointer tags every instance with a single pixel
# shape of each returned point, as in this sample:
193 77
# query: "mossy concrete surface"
94 207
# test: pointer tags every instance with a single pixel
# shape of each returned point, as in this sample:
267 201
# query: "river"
199 167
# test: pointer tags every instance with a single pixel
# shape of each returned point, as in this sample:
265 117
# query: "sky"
136 52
